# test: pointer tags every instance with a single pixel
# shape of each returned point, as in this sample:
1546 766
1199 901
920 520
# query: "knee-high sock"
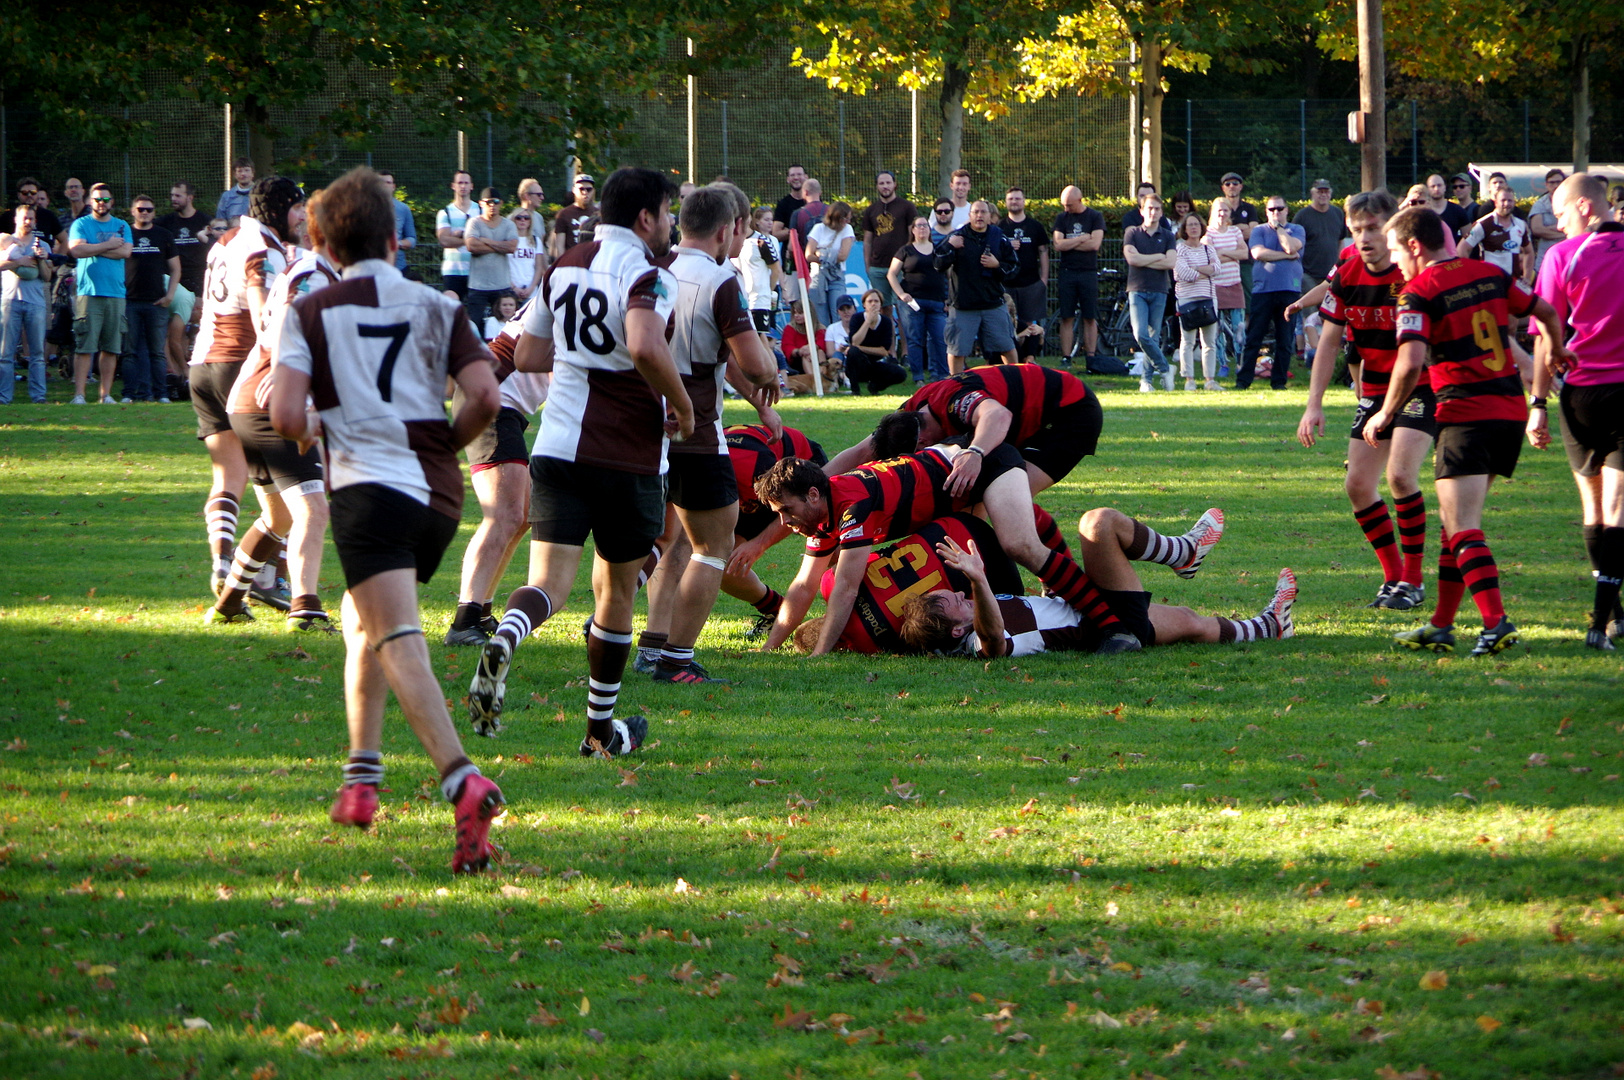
1066 579
650 564
1412 533
1257 628
220 516
527 608
1378 529
1148 545
1481 575
771 601
606 653
1451 586
1609 572
258 546
1049 534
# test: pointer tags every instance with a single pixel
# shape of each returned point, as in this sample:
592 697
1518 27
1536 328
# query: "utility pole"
1372 96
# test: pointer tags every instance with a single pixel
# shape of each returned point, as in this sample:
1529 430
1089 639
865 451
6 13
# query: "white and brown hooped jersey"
251 393
1034 624
709 311
600 411
521 390
251 256
378 349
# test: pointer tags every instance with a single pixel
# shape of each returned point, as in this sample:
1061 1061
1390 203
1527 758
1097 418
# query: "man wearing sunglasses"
46 223
1277 247
1542 218
490 238
1438 202
101 243
574 223
148 300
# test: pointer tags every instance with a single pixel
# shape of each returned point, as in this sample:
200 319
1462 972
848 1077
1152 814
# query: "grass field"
1316 858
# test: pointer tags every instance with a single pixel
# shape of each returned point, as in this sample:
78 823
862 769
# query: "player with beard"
1362 296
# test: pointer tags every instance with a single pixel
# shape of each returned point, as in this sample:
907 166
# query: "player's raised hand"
966 560
1311 426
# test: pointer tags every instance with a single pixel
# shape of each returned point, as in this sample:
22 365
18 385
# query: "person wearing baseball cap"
577 221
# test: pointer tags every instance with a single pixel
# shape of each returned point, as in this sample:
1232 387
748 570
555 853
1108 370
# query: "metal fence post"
1189 144
693 122
1302 145
490 161
842 103
724 137
913 142
230 181
1527 151
462 151
1415 146
129 195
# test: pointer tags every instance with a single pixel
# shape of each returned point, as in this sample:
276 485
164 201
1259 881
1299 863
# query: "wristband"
1537 403
976 450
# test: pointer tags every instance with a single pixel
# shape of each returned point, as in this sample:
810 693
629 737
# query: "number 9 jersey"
1460 309
600 411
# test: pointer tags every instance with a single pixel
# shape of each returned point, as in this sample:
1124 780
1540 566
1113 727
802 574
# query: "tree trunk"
1579 89
955 81
1150 104
261 146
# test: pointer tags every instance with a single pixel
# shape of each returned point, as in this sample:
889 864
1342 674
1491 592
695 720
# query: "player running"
242 266
598 466
1362 295
1582 278
986 624
374 352
1453 315
499 464
289 481
1048 415
714 341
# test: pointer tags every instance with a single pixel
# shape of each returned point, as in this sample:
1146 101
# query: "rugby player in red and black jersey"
753 450
1049 416
1362 296
1454 313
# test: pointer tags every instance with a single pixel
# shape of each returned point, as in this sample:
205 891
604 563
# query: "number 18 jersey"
1460 308
600 411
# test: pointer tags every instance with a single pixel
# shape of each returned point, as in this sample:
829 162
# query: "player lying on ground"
984 624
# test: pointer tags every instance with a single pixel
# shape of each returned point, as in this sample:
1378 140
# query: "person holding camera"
25 267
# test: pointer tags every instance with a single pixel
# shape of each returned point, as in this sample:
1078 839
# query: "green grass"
1195 861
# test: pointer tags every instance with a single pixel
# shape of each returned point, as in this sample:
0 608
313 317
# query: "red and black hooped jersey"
1032 392
910 567
1460 308
885 500
754 451
1366 302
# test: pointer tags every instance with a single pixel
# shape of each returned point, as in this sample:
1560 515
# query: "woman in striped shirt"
1193 277
1229 244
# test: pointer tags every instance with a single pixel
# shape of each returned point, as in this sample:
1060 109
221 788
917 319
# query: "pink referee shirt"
1583 279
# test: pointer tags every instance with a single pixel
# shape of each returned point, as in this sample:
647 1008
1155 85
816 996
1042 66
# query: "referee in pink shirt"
1582 277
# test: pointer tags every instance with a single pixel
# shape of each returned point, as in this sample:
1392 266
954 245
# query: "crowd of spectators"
1204 291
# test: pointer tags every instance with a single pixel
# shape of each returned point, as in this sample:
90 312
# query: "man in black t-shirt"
794 177
147 297
189 228
1438 202
46 223
1029 287
1245 215
1078 233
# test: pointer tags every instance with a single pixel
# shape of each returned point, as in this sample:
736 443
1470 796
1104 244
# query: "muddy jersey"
1033 393
709 312
251 393
1459 308
600 411
378 350
246 258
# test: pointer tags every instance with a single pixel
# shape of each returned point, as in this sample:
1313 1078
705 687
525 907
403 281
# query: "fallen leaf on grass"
1104 1020
1004 832
1488 1024
514 892
543 1017
196 1023
1420 1072
908 1016
439 1049
595 1035
793 1020
1367 1008
1434 980
1372 1035
452 1012
585 1007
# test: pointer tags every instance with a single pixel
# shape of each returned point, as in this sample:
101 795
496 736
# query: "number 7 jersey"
600 411
1460 309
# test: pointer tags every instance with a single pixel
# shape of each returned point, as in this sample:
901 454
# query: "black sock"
1609 572
467 615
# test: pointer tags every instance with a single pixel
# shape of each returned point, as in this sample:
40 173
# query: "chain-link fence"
1282 146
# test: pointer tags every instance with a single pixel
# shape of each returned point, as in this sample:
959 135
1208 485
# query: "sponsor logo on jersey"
1411 322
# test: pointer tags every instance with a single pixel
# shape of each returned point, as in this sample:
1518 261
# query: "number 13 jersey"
1460 308
600 411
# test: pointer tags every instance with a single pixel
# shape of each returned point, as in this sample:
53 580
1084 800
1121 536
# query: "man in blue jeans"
1149 252
152 275
1277 247
25 273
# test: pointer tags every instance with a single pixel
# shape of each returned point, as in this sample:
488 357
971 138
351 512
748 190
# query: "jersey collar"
619 234
370 268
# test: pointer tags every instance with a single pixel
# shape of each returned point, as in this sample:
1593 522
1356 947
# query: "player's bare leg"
308 509
710 535
664 581
230 478
366 691
385 609
1104 530
504 505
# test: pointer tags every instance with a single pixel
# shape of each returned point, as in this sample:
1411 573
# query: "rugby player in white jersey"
598 465
373 353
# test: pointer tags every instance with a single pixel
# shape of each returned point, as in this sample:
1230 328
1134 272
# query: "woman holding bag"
1227 241
1197 296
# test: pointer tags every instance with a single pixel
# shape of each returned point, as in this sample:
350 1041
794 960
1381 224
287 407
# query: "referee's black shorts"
1593 427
